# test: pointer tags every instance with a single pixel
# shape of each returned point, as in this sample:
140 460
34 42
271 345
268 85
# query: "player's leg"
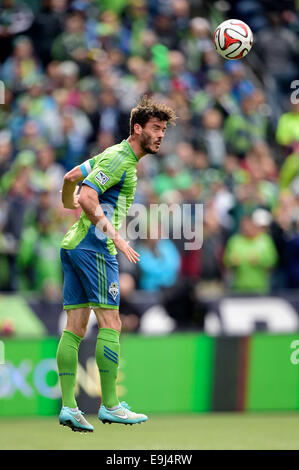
78 312
107 357
67 353
100 278
107 353
67 362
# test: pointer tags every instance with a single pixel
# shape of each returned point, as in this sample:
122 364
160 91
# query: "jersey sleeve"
104 175
87 166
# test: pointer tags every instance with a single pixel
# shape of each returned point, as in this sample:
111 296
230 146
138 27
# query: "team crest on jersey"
113 289
102 178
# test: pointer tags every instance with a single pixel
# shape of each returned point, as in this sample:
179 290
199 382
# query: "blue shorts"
91 279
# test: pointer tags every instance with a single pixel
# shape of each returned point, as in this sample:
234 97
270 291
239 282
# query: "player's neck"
139 152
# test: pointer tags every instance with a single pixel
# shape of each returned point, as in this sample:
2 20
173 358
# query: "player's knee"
82 331
113 322
77 321
78 329
108 318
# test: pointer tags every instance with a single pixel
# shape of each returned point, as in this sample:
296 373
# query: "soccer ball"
233 39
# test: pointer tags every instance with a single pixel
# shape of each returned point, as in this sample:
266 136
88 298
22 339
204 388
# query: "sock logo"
111 355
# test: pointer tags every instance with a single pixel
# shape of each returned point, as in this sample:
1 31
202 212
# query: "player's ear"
137 129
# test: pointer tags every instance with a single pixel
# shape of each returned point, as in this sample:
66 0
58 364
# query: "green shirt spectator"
173 177
39 254
241 131
117 5
72 43
250 255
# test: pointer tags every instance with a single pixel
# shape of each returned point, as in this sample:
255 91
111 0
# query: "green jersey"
112 174
248 275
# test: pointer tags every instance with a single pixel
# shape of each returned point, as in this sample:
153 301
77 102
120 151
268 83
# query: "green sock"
107 357
67 362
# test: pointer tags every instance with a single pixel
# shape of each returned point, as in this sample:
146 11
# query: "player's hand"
123 246
76 203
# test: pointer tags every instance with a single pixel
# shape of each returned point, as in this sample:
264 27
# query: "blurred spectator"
181 16
284 231
246 201
211 137
241 131
47 25
163 27
21 66
234 174
241 85
69 74
217 93
212 249
181 79
75 131
72 44
250 256
102 141
38 259
36 105
174 177
31 137
222 202
17 199
47 169
278 48
197 42
15 18
159 262
108 112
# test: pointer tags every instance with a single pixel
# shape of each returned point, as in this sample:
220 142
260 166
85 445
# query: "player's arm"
70 181
89 202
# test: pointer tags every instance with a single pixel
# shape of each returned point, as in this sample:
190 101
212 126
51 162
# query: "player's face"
152 135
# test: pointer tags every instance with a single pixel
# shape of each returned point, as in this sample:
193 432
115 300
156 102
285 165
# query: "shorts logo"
102 178
113 289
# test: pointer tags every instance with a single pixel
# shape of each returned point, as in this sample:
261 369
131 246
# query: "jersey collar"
131 150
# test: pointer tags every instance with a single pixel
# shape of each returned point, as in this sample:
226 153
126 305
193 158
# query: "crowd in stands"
73 70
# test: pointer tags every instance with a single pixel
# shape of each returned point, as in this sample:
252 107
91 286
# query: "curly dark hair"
146 109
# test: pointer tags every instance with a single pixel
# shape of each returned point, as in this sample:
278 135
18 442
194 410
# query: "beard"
146 142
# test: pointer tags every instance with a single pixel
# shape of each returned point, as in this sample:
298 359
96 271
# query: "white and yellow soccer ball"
233 39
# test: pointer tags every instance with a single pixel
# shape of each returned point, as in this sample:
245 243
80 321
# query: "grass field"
205 431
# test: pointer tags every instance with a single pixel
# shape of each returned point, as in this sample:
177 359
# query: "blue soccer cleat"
121 415
74 420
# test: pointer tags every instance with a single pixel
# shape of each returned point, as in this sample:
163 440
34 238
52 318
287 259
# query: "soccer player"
88 255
